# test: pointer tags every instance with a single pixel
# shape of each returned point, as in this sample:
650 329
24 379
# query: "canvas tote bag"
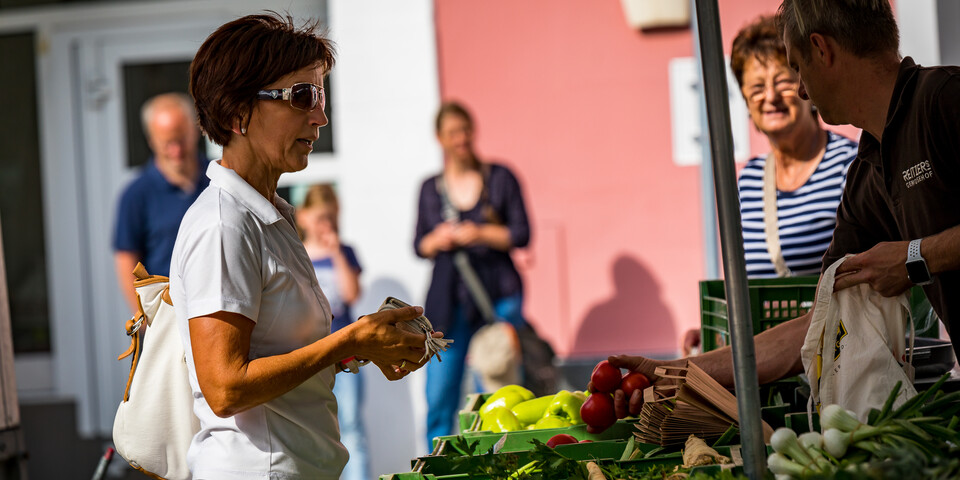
852 349
155 422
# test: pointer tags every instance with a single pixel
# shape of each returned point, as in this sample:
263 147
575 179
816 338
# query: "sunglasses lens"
305 96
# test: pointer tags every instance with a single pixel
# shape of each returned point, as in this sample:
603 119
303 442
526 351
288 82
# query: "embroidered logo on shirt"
917 173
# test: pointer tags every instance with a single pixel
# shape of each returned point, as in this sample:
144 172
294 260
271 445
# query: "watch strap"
913 250
915 258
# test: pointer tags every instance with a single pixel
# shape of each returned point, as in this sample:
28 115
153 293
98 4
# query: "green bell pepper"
506 396
500 419
530 411
552 421
566 404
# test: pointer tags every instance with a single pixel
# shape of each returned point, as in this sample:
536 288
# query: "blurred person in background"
254 323
152 205
491 220
806 164
338 272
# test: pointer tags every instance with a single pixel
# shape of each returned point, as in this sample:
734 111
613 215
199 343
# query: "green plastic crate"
772 302
439 466
776 300
469 415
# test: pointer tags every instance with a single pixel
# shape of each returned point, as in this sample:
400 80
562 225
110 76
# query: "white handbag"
155 422
852 350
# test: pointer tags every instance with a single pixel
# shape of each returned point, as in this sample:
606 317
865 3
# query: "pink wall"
578 105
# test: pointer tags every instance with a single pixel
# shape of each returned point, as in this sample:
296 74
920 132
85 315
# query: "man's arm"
942 251
884 265
777 353
125 263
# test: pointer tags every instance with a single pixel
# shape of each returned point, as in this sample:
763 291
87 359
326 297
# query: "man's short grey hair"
180 100
863 27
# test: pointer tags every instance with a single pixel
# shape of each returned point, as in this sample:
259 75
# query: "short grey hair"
863 27
180 100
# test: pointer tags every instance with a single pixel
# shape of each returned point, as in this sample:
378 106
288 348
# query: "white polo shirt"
236 252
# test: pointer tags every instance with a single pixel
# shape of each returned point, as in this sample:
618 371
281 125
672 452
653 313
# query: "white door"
91 68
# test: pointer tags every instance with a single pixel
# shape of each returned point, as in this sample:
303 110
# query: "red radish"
605 377
560 439
634 381
586 440
598 411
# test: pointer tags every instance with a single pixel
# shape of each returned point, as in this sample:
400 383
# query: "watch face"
917 272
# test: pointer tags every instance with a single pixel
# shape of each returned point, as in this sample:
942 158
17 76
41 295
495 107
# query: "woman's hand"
396 372
376 337
440 239
330 241
466 234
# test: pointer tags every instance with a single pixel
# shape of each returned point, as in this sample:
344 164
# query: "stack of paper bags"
697 404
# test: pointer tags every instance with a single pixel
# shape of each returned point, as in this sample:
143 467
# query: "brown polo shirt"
908 186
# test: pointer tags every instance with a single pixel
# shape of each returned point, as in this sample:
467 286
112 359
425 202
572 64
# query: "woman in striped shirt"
809 164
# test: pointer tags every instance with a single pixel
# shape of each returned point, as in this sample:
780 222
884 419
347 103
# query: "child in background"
338 273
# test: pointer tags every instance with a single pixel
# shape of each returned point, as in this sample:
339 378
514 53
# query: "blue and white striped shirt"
806 216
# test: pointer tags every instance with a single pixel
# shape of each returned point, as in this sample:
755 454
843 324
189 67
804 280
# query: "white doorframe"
82 140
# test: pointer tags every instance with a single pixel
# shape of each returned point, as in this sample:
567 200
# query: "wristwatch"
917 270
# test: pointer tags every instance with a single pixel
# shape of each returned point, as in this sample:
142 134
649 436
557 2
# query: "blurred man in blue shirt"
152 205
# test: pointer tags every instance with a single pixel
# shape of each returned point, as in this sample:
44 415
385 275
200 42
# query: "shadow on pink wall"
635 311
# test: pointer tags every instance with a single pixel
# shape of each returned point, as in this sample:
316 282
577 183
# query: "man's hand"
691 340
883 267
624 406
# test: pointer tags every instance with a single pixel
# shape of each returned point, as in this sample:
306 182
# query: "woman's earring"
243 130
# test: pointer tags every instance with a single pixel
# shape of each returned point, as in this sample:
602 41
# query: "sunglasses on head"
302 96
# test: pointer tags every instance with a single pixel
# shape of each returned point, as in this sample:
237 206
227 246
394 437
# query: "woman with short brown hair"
254 322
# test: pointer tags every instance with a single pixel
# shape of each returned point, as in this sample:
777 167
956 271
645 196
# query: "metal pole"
731 239
708 206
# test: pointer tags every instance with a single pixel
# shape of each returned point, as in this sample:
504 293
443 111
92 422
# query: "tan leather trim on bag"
133 342
140 272
144 278
134 328
153 279
149 474
137 346
166 296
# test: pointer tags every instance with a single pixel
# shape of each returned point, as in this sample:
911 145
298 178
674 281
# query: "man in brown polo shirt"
900 213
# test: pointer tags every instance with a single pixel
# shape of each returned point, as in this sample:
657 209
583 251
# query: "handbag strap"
771 228
462 262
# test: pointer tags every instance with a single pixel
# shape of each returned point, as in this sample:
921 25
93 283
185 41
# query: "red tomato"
598 411
605 377
586 440
634 381
560 439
